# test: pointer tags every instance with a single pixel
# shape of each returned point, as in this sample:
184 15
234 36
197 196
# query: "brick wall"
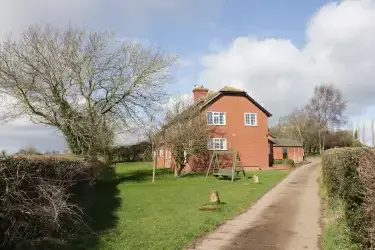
250 142
295 153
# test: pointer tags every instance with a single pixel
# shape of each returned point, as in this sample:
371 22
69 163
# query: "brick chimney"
199 92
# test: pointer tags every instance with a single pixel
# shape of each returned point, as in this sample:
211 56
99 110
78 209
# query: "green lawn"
134 213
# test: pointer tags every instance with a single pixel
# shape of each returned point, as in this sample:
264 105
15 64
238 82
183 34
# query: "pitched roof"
229 90
286 143
213 96
271 135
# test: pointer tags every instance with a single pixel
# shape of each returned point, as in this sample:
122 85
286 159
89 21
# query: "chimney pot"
199 92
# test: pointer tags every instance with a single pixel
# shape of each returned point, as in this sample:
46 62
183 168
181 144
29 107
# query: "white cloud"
18 134
339 50
128 18
119 15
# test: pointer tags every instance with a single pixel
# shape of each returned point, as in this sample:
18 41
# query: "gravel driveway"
287 217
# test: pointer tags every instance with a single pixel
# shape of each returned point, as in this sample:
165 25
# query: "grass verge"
336 234
165 214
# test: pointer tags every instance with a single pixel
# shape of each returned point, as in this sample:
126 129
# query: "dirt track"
287 217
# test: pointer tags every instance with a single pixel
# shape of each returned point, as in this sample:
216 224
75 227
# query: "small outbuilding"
288 149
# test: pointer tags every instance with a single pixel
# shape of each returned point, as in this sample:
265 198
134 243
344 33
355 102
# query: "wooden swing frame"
215 161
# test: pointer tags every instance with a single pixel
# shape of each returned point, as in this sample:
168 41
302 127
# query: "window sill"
216 124
251 125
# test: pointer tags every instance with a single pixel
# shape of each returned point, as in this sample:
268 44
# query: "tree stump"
213 197
255 179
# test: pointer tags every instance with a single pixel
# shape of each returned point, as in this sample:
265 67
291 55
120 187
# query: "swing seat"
227 173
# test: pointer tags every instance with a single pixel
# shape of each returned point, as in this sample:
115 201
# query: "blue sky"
232 19
276 50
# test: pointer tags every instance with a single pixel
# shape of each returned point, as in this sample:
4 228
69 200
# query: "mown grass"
165 214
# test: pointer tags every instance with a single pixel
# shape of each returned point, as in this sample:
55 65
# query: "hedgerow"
39 199
349 175
284 161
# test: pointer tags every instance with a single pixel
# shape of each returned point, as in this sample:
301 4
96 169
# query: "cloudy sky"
276 50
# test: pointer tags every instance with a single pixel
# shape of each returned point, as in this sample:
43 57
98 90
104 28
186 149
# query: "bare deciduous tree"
3 153
327 107
87 85
150 130
185 134
297 125
30 150
300 123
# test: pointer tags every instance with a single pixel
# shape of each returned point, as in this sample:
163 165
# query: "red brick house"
288 149
238 122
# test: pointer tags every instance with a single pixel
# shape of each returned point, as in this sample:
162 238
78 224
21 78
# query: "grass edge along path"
335 230
165 215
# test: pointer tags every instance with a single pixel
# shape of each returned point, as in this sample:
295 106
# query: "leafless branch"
84 84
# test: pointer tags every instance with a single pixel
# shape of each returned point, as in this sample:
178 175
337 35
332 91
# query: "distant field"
134 213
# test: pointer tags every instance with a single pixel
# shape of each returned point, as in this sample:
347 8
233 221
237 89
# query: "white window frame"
213 142
249 124
161 153
216 114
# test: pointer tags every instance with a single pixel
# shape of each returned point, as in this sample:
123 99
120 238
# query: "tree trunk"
153 172
176 169
154 158
154 167
320 142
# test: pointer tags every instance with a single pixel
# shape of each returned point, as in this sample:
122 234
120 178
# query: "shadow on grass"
101 202
141 175
192 175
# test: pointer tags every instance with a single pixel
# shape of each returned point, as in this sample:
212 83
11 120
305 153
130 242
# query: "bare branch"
84 84
327 107
185 133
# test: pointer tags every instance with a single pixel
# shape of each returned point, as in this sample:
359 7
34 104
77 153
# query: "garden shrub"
39 199
349 175
288 162
277 161
284 161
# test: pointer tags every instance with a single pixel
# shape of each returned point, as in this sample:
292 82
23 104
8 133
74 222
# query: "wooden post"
234 164
209 166
217 161
155 156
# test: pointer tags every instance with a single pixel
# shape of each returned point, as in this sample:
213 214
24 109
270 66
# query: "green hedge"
40 199
284 161
349 175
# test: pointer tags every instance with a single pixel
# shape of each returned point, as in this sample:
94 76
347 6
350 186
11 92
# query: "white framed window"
161 153
216 118
217 144
251 119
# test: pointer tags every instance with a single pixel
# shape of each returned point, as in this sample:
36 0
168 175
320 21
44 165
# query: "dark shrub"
349 175
288 162
284 161
38 199
277 161
131 153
